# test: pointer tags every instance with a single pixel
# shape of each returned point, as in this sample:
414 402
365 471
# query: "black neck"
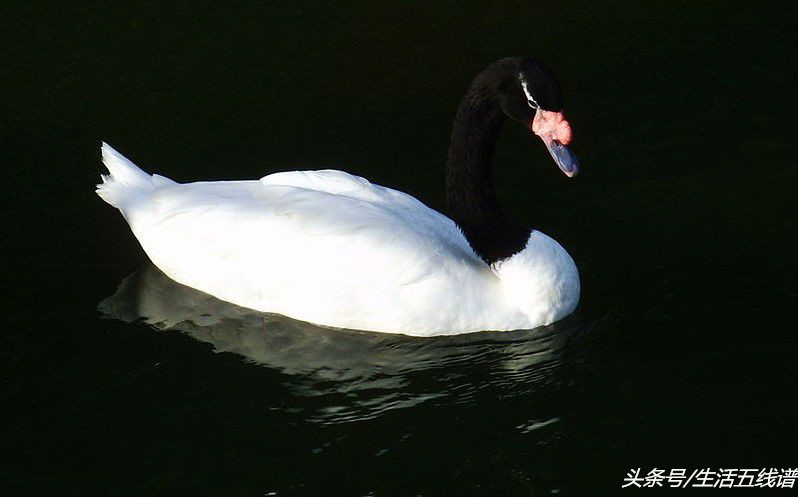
469 182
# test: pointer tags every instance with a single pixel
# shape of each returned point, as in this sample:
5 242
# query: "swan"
333 249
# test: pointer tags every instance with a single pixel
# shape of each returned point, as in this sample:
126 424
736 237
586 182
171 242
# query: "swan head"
541 280
532 96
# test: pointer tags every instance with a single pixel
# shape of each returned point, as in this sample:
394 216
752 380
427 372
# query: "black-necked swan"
334 249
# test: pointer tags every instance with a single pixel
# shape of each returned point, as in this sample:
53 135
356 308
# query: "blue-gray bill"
564 157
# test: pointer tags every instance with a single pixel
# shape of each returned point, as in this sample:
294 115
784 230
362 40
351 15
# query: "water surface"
118 381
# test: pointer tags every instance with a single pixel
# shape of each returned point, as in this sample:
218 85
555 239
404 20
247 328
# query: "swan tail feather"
125 180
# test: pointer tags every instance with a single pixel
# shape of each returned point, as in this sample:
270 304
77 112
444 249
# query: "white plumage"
336 250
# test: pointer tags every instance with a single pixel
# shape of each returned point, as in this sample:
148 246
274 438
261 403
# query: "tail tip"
108 151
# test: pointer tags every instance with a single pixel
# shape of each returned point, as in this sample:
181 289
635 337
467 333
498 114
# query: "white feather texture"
336 250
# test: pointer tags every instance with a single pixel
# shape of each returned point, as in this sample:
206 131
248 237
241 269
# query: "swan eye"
525 87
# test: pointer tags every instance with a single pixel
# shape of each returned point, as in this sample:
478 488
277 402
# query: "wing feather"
330 240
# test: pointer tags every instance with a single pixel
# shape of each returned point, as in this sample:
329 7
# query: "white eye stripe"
529 98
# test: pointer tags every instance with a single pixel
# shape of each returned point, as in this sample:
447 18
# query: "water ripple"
350 375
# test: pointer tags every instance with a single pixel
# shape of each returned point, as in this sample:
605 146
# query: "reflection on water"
358 374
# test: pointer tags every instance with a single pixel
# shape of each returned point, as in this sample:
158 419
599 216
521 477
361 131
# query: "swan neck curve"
470 196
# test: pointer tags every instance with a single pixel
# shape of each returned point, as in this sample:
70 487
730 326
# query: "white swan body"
333 249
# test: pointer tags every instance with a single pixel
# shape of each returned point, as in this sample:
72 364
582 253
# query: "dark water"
681 355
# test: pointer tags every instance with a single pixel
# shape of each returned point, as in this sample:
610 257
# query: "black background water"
680 355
